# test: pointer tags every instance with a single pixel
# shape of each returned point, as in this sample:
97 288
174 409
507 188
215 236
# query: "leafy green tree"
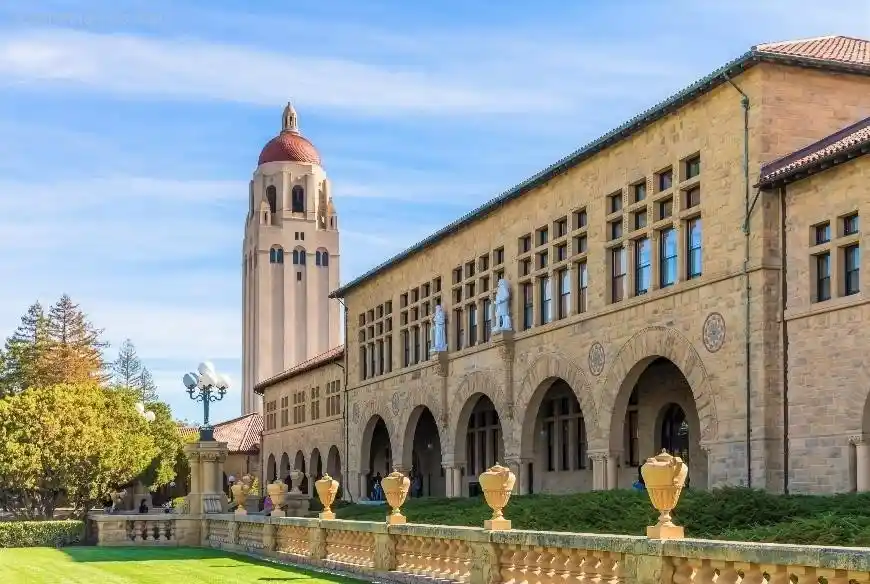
23 359
73 441
168 443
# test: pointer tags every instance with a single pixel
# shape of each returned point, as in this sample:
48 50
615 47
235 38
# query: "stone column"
862 463
457 481
613 470
206 468
599 470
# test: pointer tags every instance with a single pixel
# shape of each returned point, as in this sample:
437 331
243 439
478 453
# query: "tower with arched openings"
290 261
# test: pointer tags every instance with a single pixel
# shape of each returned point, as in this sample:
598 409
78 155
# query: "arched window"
321 257
297 200
299 256
276 255
675 431
272 198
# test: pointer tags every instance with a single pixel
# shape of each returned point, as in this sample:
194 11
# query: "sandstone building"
691 280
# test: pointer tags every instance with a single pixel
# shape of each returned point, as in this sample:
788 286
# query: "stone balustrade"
398 551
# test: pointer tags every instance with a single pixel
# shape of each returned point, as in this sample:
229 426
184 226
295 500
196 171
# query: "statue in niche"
502 320
439 331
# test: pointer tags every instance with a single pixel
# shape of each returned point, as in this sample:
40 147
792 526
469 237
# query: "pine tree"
76 348
24 359
147 387
127 368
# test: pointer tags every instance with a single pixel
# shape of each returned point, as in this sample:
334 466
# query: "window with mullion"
582 286
472 325
693 244
487 320
852 263
642 268
617 261
528 307
667 257
564 292
546 300
823 277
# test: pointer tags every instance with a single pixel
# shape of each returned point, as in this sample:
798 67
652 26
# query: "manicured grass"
733 514
93 565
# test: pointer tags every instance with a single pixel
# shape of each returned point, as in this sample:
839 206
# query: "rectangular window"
561 227
852 263
823 233
640 219
546 301
542 260
850 224
528 307
427 341
693 197
562 252
543 236
459 330
582 286
823 277
666 179
525 267
564 293
416 336
693 167
639 192
499 256
667 257
580 219
406 349
487 320
615 203
472 325
388 355
693 244
363 370
580 244
642 270
666 208
615 229
617 281
380 346
525 243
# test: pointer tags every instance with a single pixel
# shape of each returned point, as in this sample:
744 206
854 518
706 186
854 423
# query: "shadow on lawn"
151 554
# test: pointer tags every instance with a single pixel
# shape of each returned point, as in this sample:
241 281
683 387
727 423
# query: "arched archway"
554 441
333 464
376 453
299 464
316 465
479 443
654 409
422 454
284 469
271 469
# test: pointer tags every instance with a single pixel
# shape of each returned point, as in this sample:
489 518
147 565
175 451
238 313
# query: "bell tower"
290 259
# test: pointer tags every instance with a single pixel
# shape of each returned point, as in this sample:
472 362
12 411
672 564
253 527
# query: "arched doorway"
481 441
376 454
656 411
299 464
284 469
316 465
555 439
333 467
271 468
423 458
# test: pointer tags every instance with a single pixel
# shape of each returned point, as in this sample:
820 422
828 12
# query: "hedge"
15 534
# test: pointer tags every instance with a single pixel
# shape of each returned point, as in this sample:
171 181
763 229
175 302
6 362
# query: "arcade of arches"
653 410
311 466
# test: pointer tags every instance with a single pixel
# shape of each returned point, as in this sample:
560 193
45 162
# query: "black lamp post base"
206 434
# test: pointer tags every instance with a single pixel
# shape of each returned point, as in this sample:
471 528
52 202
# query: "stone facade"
647 314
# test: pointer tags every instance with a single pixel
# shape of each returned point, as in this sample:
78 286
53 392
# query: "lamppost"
206 386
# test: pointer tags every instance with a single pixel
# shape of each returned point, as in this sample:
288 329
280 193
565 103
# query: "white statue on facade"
502 320
439 331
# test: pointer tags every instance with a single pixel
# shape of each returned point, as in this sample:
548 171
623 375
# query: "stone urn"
396 487
277 492
296 477
240 491
327 489
497 484
664 476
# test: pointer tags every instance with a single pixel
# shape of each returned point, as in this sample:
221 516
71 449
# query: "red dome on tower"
289 145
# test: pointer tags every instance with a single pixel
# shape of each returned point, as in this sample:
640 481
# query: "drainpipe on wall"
783 300
744 102
345 415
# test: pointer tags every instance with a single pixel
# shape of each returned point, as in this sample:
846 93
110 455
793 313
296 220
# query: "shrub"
15 534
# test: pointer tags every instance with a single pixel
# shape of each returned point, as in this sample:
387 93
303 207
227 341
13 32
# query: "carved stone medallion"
394 402
356 413
714 332
596 358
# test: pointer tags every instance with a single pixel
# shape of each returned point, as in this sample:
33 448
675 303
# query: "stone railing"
396 551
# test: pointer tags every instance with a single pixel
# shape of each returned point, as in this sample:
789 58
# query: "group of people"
415 490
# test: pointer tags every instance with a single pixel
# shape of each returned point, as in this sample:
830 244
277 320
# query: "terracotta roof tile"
849 140
241 434
827 48
329 356
289 147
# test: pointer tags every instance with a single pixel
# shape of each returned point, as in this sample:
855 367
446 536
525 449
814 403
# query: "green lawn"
733 514
93 565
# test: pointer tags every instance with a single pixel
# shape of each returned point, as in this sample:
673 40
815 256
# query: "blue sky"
129 130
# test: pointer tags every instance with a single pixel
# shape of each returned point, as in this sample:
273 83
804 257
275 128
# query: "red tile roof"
839 147
241 434
330 356
289 146
840 49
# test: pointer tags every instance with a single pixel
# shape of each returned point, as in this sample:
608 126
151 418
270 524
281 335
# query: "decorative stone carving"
442 364
504 340
714 332
396 487
394 403
502 321
857 440
664 476
597 358
327 489
439 330
497 484
356 413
